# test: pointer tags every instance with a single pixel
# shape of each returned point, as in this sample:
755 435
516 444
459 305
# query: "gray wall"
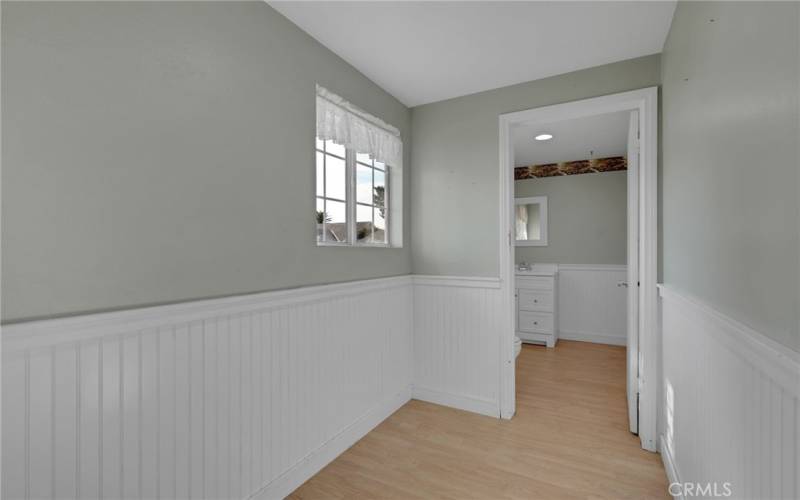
587 218
455 188
730 161
157 152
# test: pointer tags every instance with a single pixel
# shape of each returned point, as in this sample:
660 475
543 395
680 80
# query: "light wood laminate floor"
568 439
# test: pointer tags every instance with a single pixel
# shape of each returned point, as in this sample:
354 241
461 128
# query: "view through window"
351 197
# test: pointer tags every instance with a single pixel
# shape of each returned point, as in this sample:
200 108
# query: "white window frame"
352 183
325 196
351 202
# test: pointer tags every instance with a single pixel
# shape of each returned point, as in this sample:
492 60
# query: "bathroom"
571 222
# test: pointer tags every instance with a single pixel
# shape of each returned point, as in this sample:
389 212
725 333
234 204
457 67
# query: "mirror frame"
542 201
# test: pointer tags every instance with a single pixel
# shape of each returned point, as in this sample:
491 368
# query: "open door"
633 272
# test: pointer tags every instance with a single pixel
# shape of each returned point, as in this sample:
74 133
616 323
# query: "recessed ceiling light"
543 137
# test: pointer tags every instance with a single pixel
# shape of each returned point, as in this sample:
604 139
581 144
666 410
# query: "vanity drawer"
535 322
535 282
534 300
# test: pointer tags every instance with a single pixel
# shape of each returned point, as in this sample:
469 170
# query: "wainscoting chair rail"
46 332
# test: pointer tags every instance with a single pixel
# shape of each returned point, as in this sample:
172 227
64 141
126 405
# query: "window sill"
357 245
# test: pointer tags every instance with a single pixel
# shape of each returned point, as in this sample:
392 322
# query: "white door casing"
645 102
633 273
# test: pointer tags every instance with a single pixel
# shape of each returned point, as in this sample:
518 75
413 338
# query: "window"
352 195
358 176
331 193
371 216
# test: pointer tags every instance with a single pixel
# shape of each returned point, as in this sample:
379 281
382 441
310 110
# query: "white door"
633 272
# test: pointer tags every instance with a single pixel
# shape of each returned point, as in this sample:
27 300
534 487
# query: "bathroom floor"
568 439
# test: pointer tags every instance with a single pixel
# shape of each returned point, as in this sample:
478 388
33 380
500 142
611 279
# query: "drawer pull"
535 301
535 322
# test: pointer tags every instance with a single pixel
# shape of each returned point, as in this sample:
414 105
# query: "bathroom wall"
455 182
163 151
587 218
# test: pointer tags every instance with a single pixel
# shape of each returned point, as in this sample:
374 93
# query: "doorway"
642 345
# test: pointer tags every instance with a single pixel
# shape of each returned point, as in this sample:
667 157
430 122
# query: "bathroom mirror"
530 222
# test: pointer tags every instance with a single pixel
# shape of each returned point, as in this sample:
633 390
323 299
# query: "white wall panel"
225 398
456 342
731 409
250 396
591 307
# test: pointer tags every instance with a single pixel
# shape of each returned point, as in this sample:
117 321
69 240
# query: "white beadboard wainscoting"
731 403
240 397
457 337
591 307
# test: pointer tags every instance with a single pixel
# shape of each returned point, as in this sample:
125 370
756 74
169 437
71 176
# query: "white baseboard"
597 338
669 464
304 470
466 403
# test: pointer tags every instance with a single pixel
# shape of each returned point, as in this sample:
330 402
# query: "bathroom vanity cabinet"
536 298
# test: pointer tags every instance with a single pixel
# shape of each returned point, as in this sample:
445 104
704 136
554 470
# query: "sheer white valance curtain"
344 123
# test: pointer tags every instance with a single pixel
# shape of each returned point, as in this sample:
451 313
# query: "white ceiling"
605 135
422 52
